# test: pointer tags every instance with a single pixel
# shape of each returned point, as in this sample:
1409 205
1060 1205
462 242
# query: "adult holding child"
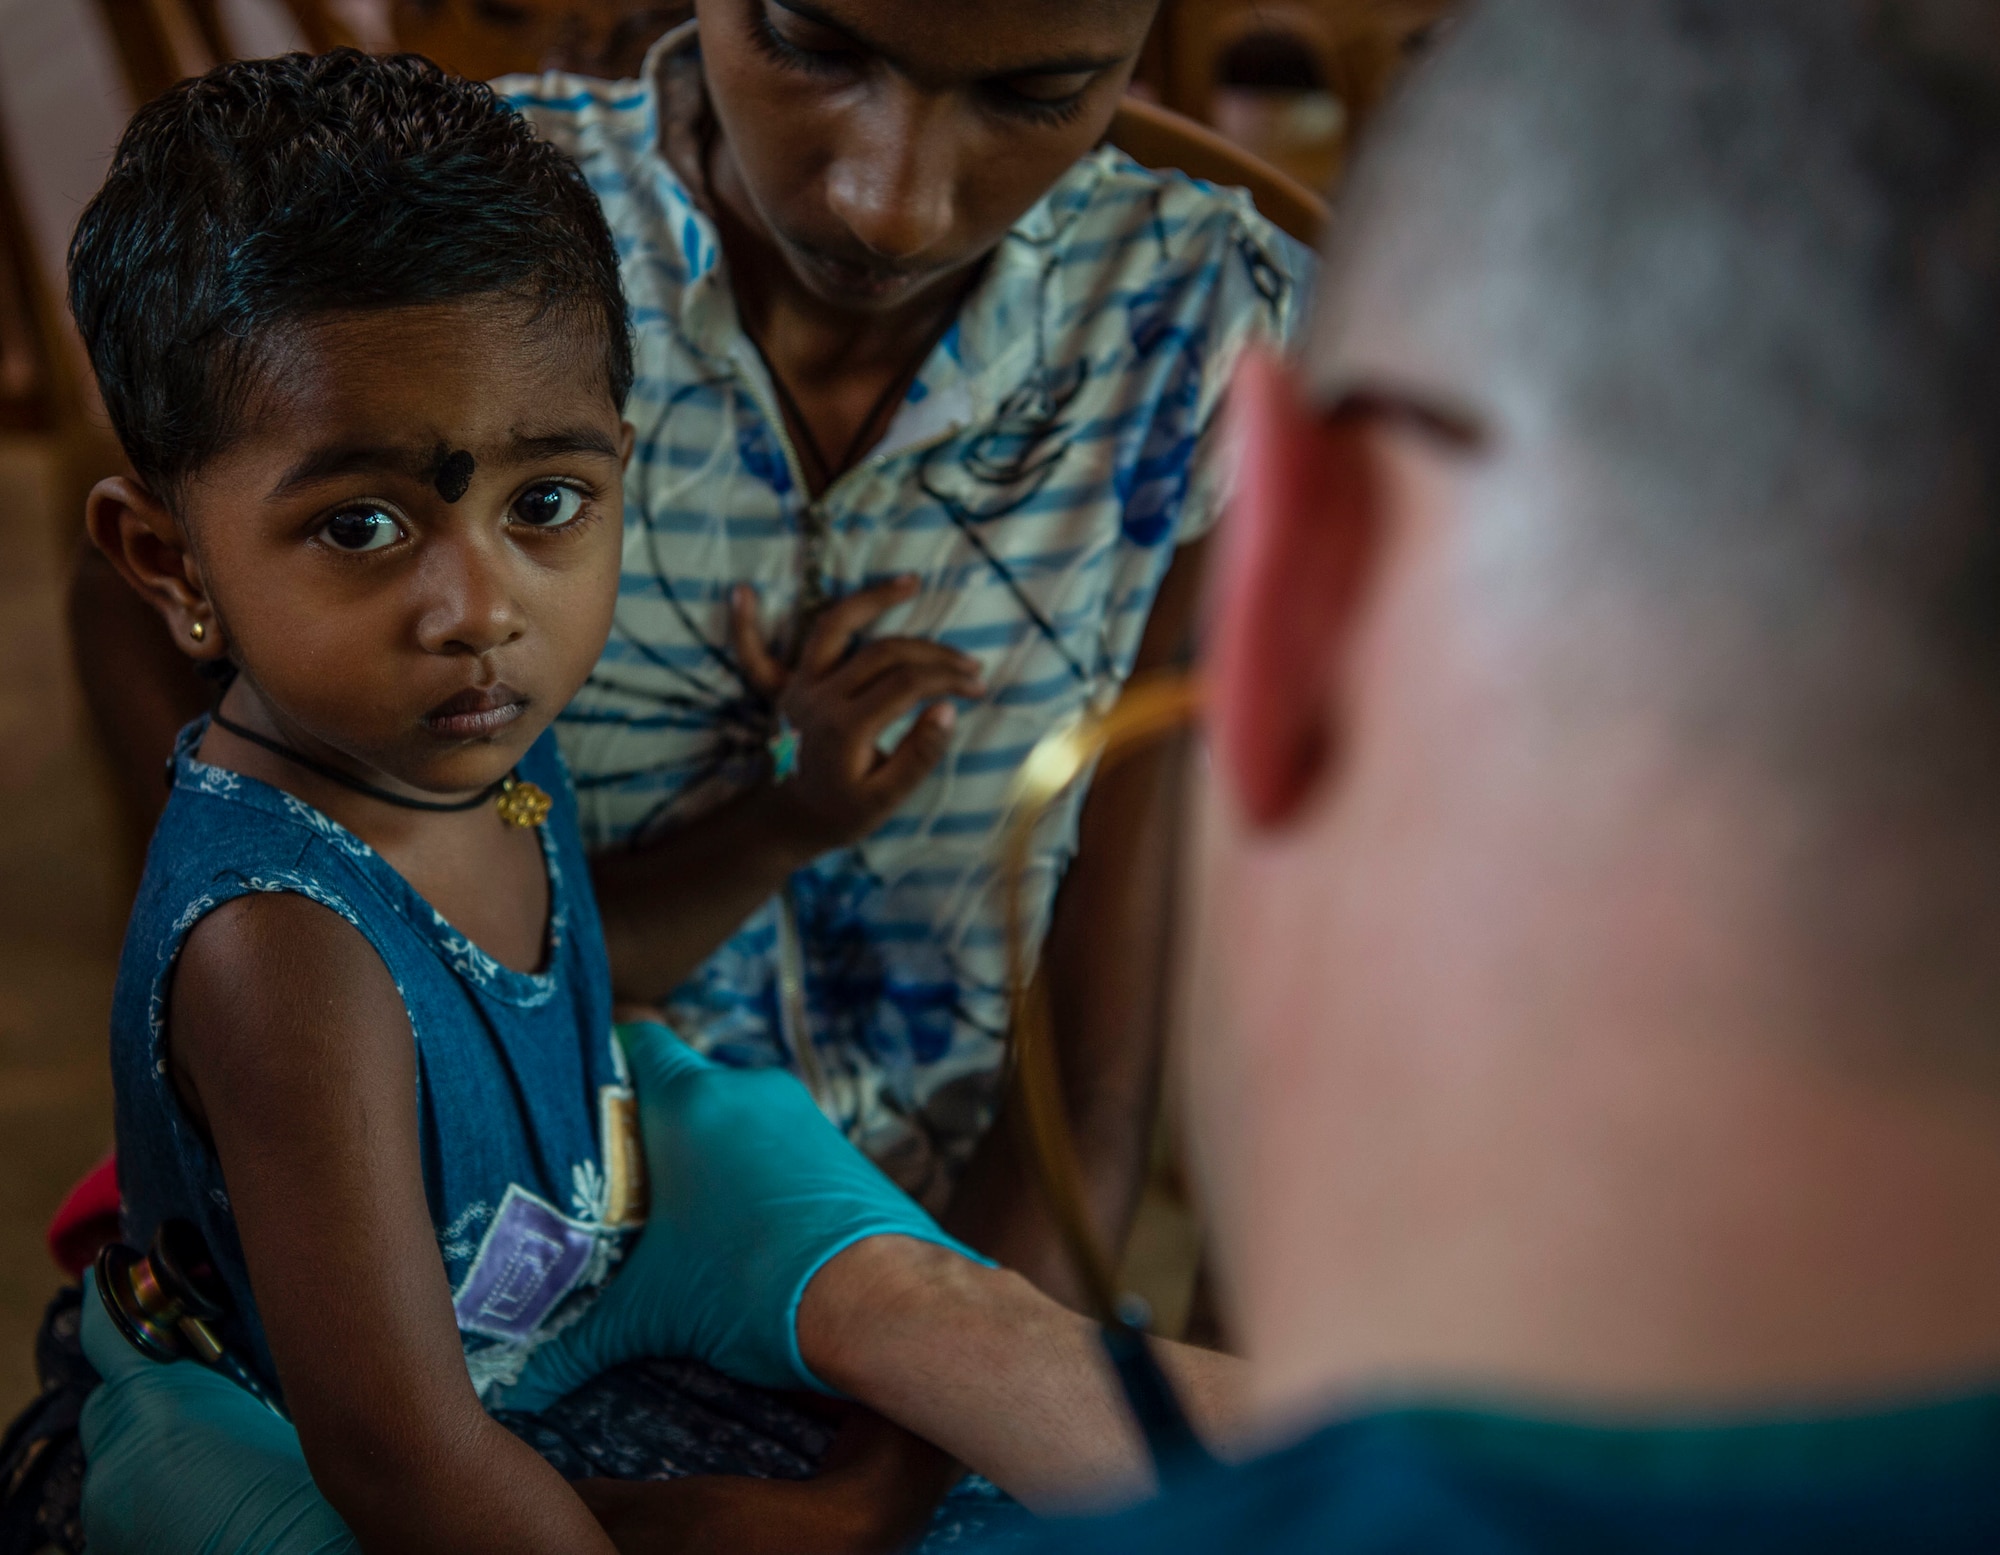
1600 1113
362 337
925 409
937 380
930 366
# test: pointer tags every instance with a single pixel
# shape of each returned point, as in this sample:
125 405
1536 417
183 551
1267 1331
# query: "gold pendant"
522 803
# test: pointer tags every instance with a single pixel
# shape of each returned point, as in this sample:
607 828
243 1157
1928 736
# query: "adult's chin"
854 287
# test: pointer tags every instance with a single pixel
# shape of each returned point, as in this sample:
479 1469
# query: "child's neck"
486 878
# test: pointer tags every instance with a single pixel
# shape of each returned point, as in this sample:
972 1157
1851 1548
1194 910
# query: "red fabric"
87 1219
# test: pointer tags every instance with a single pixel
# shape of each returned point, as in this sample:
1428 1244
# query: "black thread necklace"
875 425
521 803
857 444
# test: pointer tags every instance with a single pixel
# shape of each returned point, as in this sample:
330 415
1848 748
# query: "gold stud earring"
199 631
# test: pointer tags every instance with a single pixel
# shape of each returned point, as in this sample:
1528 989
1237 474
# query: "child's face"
412 551
886 145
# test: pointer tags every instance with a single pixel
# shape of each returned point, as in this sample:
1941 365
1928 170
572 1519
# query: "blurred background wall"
1290 81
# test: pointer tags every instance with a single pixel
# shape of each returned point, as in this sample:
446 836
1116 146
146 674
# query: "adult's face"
886 145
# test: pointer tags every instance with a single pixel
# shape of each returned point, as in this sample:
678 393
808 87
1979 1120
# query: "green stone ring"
784 749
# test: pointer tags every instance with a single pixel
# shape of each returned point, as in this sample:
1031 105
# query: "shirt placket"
816 519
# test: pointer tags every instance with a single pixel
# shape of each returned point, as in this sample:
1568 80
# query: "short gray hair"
1745 256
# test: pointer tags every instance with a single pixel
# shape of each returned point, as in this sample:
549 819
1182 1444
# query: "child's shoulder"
223 836
218 823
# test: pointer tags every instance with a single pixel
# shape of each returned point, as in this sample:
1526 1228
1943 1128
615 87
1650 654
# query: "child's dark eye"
547 506
360 529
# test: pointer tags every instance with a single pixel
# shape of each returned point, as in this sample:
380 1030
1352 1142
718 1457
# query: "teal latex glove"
752 1191
182 1461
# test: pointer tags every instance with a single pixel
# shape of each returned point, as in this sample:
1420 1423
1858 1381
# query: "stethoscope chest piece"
166 1300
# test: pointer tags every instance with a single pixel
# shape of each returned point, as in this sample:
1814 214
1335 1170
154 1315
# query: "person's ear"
1303 538
140 538
628 438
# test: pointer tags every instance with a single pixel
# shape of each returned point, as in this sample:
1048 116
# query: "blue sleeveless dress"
531 1154
530 1147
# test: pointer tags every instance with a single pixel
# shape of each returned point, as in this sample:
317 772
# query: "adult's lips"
474 713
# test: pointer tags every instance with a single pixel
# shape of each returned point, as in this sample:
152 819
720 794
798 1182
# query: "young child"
362 337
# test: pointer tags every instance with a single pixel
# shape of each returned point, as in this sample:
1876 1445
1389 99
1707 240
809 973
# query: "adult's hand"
752 1193
840 699
669 899
181 1459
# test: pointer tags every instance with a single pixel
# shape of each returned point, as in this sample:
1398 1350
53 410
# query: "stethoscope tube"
1177 1452
1145 712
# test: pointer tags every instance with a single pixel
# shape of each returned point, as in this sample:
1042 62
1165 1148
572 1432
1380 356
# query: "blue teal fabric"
522 1092
517 1074
752 1192
1058 445
182 1460
1918 1481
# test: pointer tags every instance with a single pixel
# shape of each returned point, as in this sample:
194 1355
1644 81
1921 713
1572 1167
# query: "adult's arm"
1104 963
975 1357
670 901
776 1251
980 1362
291 1045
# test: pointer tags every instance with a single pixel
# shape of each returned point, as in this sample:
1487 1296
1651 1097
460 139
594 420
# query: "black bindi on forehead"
451 472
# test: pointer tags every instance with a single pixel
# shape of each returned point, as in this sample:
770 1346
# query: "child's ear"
627 439
139 537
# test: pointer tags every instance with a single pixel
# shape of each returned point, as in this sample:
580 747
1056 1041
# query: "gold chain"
1149 709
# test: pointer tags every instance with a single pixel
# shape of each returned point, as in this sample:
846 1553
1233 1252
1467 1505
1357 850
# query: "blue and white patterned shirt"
1053 451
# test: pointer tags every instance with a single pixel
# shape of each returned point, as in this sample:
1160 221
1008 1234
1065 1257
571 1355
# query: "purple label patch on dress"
530 1258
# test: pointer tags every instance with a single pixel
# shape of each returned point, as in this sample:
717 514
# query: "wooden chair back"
604 38
481 39
160 42
1360 46
29 399
1158 137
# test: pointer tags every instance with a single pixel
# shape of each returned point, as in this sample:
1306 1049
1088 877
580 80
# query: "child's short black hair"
269 192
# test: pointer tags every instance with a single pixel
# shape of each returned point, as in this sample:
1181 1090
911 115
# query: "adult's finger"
893 695
871 662
912 759
746 635
833 633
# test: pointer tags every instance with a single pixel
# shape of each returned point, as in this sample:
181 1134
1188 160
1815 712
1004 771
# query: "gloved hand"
180 1460
753 1191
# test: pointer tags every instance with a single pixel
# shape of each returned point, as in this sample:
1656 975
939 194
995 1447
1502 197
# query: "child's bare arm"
289 1041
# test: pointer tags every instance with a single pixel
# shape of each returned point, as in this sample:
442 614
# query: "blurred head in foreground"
1602 889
